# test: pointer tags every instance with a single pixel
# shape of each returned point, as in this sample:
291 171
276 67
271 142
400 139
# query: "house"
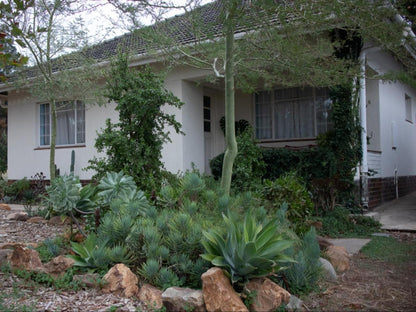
286 116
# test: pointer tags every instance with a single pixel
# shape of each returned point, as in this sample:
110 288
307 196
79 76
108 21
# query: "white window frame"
77 142
273 121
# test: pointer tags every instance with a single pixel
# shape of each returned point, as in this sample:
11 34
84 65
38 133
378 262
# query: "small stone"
219 295
295 304
121 280
328 270
18 216
339 257
151 296
36 220
58 266
183 299
58 220
5 207
26 259
268 295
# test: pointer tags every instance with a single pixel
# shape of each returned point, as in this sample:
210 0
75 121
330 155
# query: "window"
207 114
70 123
408 103
292 113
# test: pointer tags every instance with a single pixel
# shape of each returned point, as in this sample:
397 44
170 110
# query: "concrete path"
397 215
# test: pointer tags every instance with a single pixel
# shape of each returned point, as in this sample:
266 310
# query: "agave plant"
115 184
247 250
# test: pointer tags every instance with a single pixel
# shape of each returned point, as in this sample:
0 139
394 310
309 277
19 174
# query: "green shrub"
246 250
303 274
248 168
339 223
50 248
289 188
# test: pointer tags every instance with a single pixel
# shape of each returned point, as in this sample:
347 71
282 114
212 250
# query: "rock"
328 270
295 304
5 207
18 216
323 242
268 295
219 295
58 266
5 255
90 280
121 280
27 259
12 245
183 299
151 296
58 220
339 257
36 220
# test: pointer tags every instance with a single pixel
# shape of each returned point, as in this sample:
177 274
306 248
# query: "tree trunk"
230 140
53 141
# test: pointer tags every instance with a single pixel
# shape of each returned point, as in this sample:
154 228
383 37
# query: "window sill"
60 147
284 140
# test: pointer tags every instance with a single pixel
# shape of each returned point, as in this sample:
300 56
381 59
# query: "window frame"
274 100
75 109
408 108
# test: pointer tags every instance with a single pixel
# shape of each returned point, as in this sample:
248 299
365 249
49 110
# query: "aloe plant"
246 250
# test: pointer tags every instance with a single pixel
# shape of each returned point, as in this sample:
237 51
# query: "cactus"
71 168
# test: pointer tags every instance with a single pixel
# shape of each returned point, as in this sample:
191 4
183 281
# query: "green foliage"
50 248
303 274
246 250
339 223
93 254
114 185
14 191
134 144
289 188
249 167
63 194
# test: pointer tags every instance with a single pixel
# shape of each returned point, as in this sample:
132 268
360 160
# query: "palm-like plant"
246 250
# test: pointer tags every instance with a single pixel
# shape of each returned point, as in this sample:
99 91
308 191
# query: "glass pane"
44 133
323 115
80 122
207 114
263 115
65 124
207 101
207 126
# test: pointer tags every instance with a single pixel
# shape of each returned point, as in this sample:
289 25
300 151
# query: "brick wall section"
383 189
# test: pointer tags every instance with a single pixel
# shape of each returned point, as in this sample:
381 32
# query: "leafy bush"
289 188
50 248
302 275
339 223
134 144
246 250
249 167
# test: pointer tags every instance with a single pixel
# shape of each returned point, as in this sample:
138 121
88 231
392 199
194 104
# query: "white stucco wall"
25 159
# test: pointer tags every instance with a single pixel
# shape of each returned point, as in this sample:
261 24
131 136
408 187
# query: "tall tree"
48 29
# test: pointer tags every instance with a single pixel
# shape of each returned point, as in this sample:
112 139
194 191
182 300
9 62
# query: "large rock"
339 257
267 296
17 216
219 295
121 280
5 207
13 245
151 296
323 242
295 304
328 271
183 299
26 259
58 266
